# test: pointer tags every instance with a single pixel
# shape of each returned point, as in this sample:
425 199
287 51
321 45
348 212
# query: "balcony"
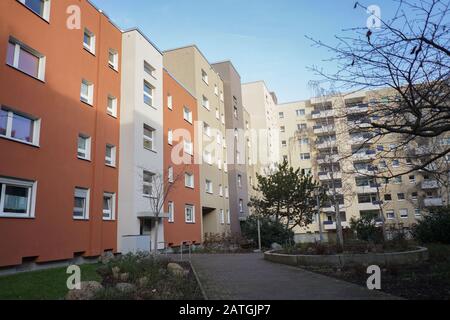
361 108
360 140
328 159
330 208
338 191
359 124
433 202
325 176
372 188
323 114
430 184
331 225
369 206
320 130
363 156
326 145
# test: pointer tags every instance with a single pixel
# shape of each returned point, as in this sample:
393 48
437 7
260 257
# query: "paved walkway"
250 277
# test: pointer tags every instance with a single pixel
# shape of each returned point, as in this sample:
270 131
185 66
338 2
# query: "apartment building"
184 221
59 132
237 143
330 138
252 181
261 105
142 135
190 67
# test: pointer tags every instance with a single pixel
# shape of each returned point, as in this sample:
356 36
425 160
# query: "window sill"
84 159
188 187
113 68
111 115
190 222
20 141
90 104
14 216
151 150
81 219
111 166
88 50
190 122
29 75
109 220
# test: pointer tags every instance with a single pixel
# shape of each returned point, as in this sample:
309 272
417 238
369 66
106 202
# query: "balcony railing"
430 184
365 155
326 144
323 176
324 129
328 159
433 202
323 114
361 108
331 225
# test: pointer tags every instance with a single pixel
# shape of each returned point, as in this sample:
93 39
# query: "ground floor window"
17 198
189 212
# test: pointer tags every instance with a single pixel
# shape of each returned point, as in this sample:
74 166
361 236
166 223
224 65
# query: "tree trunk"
155 245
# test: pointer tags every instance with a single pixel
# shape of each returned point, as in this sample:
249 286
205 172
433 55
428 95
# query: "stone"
142 282
176 269
124 277
125 287
116 272
106 257
87 291
276 246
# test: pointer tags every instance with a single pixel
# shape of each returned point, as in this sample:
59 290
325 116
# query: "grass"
42 285
423 281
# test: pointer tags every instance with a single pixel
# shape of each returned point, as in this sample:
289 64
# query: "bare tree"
407 61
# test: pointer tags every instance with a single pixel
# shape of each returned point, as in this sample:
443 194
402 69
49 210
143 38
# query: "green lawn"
42 285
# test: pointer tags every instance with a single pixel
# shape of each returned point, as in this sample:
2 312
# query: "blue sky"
265 39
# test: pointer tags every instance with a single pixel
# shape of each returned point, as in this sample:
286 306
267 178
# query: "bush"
271 232
434 228
366 229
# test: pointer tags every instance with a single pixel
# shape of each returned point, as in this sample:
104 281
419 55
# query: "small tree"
271 231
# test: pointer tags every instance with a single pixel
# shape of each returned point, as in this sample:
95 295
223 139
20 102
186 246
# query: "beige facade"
329 137
193 70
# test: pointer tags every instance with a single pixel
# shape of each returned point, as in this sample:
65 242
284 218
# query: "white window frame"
239 180
112 212
209 188
45 10
171 212
19 45
90 48
31 201
205 77
149 69
9 127
112 159
207 157
170 137
150 139
205 103
187 114
227 192
404 210
220 190
188 147
217 114
82 193
170 176
89 99
216 90
112 111
222 216
169 102
207 129
228 217
87 152
189 181
148 184
192 207
149 95
115 63
390 212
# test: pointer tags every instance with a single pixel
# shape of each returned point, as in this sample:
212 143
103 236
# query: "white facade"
142 65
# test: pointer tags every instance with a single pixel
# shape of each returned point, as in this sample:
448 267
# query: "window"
206 129
228 217
110 155
205 103
26 59
239 181
238 157
170 102
395 163
284 143
227 194
207 157
149 138
382 164
221 217
305 156
111 109
417 213
216 90
189 180
170 136
113 59
241 206
147 183
170 210
188 147
390 214
414 196
17 198
281 115
205 77
283 129
220 190
404 213
225 166
149 69
300 112
148 93
235 112
84 147
400 196
170 174
223 118
412 179
19 127
387 197
109 206
189 213
221 96
89 41
219 164
187 114
397 180
209 186
40 7
87 92
217 114
81 204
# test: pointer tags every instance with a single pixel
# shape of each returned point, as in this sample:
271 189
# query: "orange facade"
180 228
52 233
